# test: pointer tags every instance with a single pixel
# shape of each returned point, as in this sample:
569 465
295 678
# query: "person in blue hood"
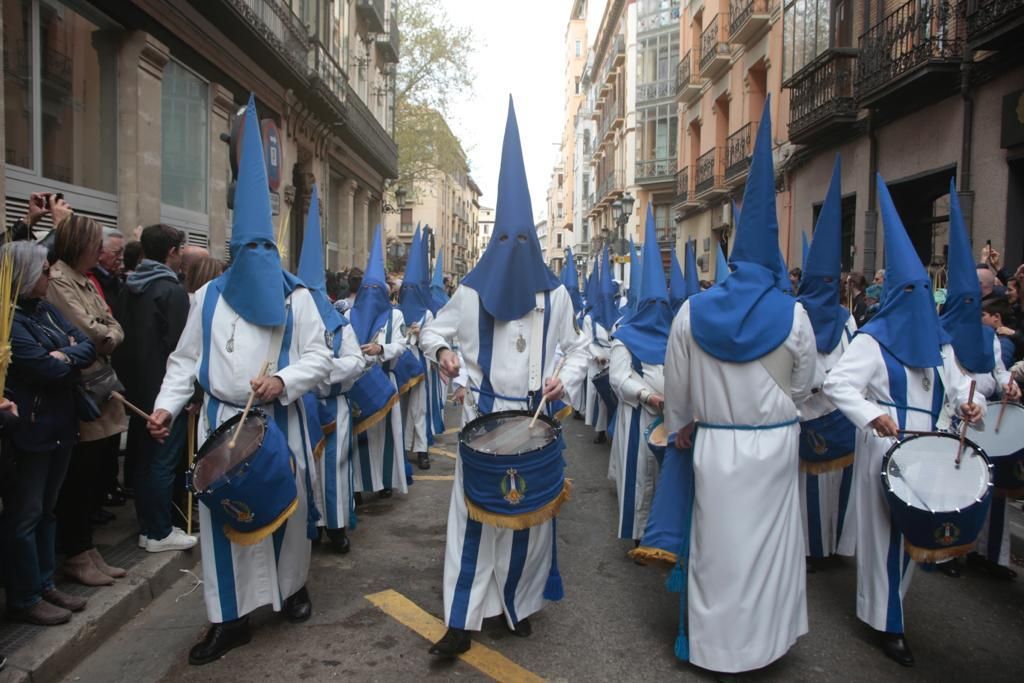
740 357
897 374
253 316
510 315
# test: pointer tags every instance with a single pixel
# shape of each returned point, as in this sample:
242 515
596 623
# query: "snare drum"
249 489
1005 448
603 384
827 443
513 475
666 536
937 505
370 399
656 437
408 371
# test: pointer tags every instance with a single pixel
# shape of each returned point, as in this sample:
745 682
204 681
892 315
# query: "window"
185 139
657 132
579 48
654 14
60 94
805 33
657 57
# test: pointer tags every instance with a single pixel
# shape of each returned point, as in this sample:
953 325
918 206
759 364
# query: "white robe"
415 410
747 600
334 465
490 571
596 412
825 499
238 579
994 539
856 385
377 453
635 464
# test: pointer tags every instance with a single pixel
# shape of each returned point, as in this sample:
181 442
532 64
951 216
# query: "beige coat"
77 299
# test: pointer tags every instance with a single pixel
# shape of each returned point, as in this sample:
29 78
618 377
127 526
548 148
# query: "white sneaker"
142 541
176 540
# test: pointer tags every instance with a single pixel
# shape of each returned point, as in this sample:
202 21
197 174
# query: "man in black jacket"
152 309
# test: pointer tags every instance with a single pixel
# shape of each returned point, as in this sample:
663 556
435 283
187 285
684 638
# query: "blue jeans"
28 525
155 465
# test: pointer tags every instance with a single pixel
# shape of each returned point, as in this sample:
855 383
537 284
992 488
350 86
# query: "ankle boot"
112 572
81 568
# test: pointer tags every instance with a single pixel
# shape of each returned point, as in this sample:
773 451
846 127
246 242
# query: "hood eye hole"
521 238
503 238
908 288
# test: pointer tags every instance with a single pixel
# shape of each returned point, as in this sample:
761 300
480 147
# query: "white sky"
520 51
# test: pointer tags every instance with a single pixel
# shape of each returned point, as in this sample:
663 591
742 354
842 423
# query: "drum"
370 399
1005 448
666 536
603 384
938 505
249 489
657 438
408 371
513 475
827 443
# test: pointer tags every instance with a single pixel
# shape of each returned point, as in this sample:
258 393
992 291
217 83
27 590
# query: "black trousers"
77 497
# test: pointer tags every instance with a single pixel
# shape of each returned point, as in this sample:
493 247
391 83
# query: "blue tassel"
683 647
408 473
553 589
676 582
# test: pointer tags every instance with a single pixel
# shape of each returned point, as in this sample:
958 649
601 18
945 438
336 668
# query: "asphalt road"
617 622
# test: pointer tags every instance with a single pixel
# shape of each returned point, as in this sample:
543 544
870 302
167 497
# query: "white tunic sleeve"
183 363
958 383
626 383
350 364
397 346
678 407
313 364
801 343
848 381
438 333
572 342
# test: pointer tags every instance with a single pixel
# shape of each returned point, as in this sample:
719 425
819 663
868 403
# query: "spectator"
856 285
190 254
200 271
1013 297
872 300
152 310
47 356
795 275
355 280
77 247
995 313
132 255
992 259
108 272
879 278
40 204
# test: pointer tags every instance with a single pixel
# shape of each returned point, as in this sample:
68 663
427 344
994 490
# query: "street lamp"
399 200
622 209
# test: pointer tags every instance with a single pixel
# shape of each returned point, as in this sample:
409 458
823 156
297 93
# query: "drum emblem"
513 487
947 534
238 510
818 442
354 409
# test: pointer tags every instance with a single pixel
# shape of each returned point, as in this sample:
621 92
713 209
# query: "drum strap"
897 375
538 320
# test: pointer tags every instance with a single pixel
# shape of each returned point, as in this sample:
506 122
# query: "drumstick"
131 406
248 406
544 399
1002 409
191 456
963 427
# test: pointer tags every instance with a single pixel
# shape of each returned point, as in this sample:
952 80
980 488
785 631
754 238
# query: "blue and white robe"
416 411
868 382
635 465
596 412
829 522
378 453
488 570
224 352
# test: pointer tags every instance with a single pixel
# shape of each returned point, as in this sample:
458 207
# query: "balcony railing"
821 95
616 55
327 78
373 12
655 170
738 148
749 18
912 37
656 90
714 46
387 42
682 185
709 176
688 81
367 132
993 24
281 28
652 21
610 185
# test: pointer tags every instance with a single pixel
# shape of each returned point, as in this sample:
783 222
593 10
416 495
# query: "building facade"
125 106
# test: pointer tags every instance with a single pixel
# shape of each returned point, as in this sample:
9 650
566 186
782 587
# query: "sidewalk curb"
59 649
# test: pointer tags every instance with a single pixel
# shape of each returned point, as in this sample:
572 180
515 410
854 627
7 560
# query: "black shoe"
577 415
895 647
454 643
319 536
384 493
101 516
523 629
423 461
219 640
601 438
113 499
339 541
950 569
298 607
359 498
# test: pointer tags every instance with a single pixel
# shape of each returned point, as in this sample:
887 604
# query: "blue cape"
511 270
414 295
438 295
606 306
311 266
678 291
372 307
645 334
571 280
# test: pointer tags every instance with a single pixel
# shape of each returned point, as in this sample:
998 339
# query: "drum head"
922 472
1010 437
216 458
658 435
509 433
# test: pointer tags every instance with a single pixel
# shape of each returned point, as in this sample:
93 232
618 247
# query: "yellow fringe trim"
330 428
828 466
936 554
404 389
523 521
321 445
653 555
253 537
361 427
563 413
1008 493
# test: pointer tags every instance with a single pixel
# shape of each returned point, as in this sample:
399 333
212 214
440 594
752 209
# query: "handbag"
85 408
98 384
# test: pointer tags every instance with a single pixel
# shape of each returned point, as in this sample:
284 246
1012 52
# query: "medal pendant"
230 346
520 344
926 381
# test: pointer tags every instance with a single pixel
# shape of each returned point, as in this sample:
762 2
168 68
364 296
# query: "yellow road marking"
434 450
452 430
485 660
433 477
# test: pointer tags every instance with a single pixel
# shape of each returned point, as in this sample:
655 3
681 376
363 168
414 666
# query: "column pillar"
361 223
140 69
347 226
222 106
374 216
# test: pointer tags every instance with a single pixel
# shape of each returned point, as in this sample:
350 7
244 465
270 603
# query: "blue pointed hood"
511 270
311 266
748 316
961 314
571 280
438 295
721 265
691 274
372 306
590 290
606 306
805 250
906 324
414 295
645 334
819 287
678 292
635 281
255 286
